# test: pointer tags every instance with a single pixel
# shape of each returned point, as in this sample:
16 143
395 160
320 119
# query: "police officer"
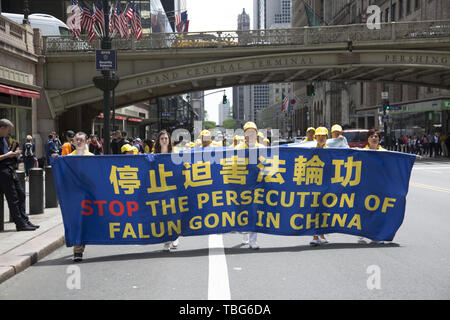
10 184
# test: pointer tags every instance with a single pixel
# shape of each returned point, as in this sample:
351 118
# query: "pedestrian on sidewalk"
80 140
28 152
95 146
163 144
10 184
69 146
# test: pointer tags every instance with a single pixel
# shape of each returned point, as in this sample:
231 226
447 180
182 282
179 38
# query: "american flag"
177 21
118 21
124 23
99 15
130 12
74 19
284 104
87 21
182 25
136 24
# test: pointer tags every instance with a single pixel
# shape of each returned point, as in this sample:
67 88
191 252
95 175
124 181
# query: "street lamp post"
106 82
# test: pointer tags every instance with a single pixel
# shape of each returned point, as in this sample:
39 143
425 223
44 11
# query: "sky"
214 15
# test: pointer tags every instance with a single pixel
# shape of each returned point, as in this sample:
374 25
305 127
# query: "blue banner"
148 199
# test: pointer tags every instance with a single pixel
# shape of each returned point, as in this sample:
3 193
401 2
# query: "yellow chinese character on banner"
234 170
350 166
163 175
125 178
200 175
268 168
310 172
300 170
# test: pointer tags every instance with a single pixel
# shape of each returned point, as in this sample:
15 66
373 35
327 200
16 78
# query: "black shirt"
9 162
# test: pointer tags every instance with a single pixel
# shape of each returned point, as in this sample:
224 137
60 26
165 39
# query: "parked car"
356 138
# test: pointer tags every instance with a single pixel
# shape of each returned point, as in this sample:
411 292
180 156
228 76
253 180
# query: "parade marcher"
163 144
336 133
251 141
373 143
321 135
205 138
95 146
129 149
310 134
266 142
28 153
10 184
123 140
69 146
80 140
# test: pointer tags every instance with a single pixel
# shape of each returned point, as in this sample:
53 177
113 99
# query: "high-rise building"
242 94
224 112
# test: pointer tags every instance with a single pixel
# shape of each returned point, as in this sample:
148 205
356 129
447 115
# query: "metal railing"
251 38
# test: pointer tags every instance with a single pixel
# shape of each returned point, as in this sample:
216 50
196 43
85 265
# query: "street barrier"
36 187
51 201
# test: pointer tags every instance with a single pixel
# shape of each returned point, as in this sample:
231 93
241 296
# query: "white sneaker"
323 241
245 239
166 247
254 245
377 242
174 244
315 242
361 240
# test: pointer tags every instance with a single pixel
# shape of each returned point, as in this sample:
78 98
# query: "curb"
27 254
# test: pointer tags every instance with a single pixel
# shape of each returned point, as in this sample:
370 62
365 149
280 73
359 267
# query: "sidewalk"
19 250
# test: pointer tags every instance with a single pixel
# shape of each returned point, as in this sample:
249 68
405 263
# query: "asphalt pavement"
413 266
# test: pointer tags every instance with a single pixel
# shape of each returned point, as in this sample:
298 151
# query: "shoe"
25 228
361 240
32 225
376 242
245 239
174 244
323 241
254 246
166 247
315 242
77 257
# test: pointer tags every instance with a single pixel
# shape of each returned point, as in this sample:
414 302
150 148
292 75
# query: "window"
400 9
408 6
386 18
417 5
393 11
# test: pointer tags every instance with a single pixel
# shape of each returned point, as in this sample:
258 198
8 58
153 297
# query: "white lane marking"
218 284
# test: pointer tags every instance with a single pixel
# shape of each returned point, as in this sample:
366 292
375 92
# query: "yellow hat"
336 127
321 131
191 144
260 134
267 141
126 148
250 125
310 128
205 133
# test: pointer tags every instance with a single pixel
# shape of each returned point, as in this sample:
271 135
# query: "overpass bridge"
164 64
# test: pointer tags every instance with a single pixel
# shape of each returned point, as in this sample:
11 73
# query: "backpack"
28 149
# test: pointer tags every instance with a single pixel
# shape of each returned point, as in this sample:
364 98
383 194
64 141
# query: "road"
414 266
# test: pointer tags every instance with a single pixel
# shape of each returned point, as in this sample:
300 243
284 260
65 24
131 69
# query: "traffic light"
386 106
224 100
310 90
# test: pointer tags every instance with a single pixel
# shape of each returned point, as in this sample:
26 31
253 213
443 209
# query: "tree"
229 124
209 124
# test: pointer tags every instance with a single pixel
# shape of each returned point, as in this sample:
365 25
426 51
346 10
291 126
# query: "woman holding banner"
321 135
373 143
163 144
80 143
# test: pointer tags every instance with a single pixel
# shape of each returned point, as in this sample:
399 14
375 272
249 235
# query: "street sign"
384 95
385 118
106 60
